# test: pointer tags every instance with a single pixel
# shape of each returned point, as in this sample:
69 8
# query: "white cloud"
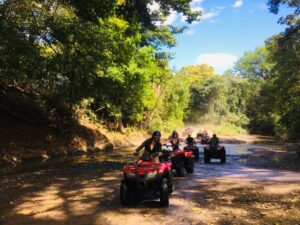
171 18
196 3
189 32
153 7
210 14
219 61
238 4
195 9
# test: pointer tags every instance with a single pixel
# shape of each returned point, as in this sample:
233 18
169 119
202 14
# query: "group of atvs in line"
151 176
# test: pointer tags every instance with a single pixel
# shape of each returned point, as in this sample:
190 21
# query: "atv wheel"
125 193
223 159
206 159
164 193
181 171
189 167
171 187
197 155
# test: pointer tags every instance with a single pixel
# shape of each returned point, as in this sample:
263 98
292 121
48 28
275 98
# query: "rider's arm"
194 141
141 146
159 147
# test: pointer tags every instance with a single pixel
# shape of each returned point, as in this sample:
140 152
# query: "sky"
227 30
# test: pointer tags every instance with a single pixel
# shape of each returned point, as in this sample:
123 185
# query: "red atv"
203 137
147 180
194 149
217 152
182 162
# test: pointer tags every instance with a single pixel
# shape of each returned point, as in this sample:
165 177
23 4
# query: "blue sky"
228 29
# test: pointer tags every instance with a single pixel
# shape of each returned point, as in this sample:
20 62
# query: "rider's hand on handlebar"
136 153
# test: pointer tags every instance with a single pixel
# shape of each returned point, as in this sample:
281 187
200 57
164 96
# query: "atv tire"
125 193
223 159
181 171
171 187
189 166
206 158
190 169
197 155
164 193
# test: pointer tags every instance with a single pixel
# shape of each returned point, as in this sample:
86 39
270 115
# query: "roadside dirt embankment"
21 141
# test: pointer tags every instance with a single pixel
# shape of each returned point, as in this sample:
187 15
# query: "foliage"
195 73
285 55
218 99
100 56
174 101
255 65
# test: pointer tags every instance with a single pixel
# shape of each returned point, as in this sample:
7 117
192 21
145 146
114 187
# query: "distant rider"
190 140
152 148
174 140
214 141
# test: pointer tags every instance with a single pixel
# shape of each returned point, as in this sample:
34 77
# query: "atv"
194 149
217 152
147 180
204 139
182 161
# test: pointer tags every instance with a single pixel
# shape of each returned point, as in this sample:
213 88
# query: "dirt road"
254 187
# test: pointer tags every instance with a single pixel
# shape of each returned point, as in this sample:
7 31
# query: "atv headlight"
152 174
130 175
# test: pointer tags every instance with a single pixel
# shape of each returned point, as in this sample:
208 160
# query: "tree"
285 55
219 99
255 65
195 73
105 55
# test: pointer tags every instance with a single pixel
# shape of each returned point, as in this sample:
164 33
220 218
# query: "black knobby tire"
171 187
190 169
223 159
206 157
181 171
189 166
197 156
125 193
196 153
164 193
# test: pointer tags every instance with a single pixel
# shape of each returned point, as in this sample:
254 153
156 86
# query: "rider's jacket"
147 145
190 141
175 143
214 142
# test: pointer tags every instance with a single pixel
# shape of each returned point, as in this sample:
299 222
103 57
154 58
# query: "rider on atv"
152 148
174 140
190 140
214 142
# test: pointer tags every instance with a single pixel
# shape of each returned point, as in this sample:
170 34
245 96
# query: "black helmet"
156 133
174 133
214 135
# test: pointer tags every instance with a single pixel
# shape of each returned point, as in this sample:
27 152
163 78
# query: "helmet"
156 133
174 133
214 135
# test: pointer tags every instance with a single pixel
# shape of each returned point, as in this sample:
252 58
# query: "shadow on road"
87 192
